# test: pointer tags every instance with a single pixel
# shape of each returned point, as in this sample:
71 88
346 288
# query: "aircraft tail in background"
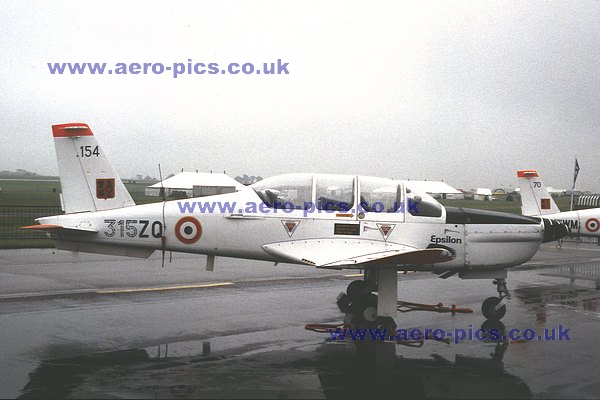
535 199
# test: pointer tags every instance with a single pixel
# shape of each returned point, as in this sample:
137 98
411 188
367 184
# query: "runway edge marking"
157 289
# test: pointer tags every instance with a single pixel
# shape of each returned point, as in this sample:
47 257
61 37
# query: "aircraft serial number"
88 151
133 228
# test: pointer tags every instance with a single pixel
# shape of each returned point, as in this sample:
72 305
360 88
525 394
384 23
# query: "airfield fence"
12 218
580 239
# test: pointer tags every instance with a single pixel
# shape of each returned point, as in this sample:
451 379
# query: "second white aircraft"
536 201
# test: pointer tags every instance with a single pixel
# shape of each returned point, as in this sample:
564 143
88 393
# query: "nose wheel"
494 308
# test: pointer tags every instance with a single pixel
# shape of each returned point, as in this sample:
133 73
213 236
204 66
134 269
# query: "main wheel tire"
487 308
496 331
387 323
370 314
343 302
361 318
356 289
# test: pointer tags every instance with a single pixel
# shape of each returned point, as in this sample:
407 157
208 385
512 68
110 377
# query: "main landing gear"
494 308
365 309
359 303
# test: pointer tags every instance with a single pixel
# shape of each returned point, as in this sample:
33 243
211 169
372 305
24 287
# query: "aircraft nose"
554 230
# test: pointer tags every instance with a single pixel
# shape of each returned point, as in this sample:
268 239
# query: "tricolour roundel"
188 230
592 225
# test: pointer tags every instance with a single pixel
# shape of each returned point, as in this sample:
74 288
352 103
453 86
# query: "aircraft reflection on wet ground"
569 294
329 369
588 272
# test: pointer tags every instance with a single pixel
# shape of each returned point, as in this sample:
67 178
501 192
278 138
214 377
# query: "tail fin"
535 199
89 182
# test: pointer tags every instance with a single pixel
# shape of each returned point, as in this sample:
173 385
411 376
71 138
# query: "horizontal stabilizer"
54 228
103 248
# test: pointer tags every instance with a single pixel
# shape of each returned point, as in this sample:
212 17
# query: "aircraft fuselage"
480 240
580 223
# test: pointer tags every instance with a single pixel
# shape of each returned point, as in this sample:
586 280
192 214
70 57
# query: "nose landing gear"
494 308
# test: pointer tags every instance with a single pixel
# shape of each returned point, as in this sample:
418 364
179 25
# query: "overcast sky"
459 91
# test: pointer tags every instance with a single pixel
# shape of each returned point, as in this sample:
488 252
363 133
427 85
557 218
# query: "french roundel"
592 225
188 230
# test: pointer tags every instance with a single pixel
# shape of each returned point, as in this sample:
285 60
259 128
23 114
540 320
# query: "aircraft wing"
354 253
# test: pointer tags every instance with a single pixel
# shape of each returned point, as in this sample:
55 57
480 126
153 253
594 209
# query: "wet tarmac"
100 326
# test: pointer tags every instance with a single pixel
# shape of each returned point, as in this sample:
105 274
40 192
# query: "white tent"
435 188
483 194
206 183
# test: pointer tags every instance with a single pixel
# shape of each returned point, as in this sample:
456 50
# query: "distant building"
551 190
577 192
194 184
556 192
483 194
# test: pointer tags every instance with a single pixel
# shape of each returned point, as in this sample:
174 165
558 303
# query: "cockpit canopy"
427 206
339 193
295 191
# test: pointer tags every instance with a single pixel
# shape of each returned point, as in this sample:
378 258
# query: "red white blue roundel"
188 230
592 225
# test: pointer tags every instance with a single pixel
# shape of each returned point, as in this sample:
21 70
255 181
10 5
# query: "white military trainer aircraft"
536 201
376 225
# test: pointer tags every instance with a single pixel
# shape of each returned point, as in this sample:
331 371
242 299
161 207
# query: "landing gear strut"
494 308
359 303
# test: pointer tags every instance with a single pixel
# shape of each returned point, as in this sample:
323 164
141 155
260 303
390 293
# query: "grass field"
29 193
46 193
